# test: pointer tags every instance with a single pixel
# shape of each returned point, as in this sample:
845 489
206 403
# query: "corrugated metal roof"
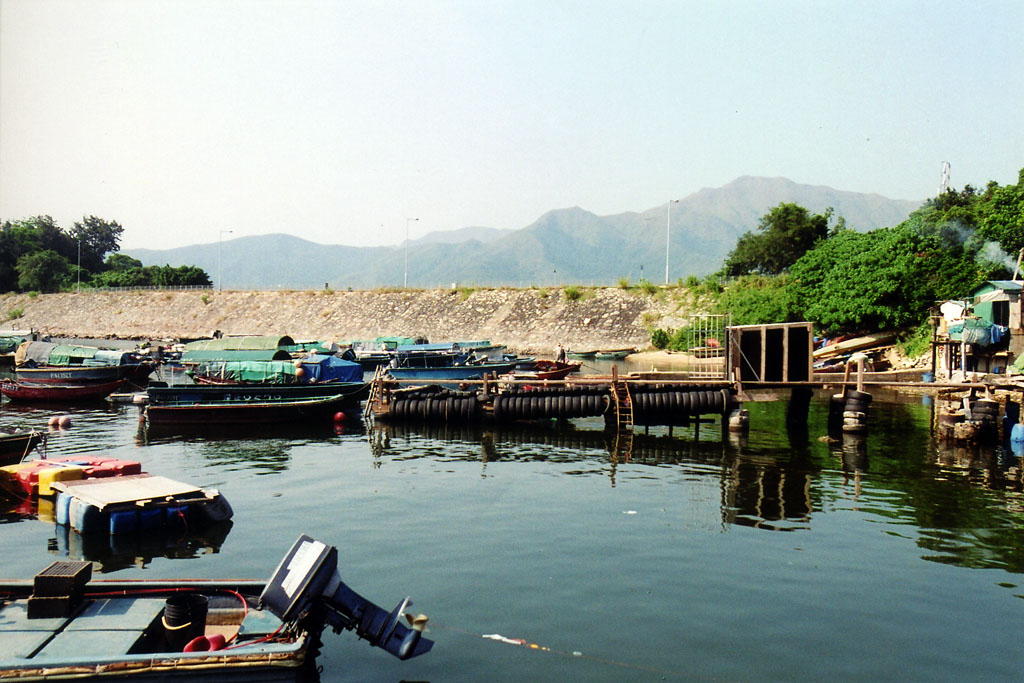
1009 285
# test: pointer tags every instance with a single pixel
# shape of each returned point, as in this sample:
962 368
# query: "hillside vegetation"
796 268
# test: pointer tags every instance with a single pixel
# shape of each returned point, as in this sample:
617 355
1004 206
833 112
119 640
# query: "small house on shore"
989 334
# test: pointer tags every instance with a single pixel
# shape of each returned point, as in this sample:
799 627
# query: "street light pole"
220 259
405 283
668 232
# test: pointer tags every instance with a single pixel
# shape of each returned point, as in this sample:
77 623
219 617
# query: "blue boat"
451 372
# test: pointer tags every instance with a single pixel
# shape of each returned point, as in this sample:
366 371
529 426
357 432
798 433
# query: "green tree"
1002 219
25 236
121 262
44 271
98 238
783 235
757 300
883 279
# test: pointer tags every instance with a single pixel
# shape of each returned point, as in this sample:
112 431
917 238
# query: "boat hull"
546 369
57 393
14 446
62 374
452 373
613 354
246 412
248 393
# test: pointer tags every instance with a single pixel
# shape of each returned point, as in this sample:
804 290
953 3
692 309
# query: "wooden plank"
114 490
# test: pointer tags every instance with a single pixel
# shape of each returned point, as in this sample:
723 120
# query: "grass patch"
204 298
15 313
572 293
918 342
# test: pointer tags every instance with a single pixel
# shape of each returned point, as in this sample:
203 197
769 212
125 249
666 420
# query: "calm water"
772 557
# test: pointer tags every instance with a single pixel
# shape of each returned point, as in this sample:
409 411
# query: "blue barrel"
928 377
1017 433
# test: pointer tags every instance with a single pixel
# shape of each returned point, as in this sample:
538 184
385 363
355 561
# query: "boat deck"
128 631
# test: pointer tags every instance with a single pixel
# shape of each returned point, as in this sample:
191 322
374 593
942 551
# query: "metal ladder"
623 403
376 387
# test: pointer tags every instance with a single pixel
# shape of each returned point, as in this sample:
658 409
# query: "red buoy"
339 416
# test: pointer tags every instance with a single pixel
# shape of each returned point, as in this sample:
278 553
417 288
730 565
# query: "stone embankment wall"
527 320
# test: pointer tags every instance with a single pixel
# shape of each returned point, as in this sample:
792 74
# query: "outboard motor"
308 575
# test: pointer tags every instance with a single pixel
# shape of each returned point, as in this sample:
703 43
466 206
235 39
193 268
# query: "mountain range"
564 246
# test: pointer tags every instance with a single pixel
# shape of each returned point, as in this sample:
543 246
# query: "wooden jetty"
757 363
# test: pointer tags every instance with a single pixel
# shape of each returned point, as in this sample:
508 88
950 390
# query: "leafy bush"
918 342
15 313
660 339
572 293
884 279
647 287
758 300
623 283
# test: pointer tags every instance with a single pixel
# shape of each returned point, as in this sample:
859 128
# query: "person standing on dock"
560 354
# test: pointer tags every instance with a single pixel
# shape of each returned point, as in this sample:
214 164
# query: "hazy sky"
338 120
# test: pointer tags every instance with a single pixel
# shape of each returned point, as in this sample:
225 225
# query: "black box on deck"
62 578
50 606
58 589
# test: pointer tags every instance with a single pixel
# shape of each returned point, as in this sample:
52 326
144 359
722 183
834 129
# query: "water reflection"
767 490
111 553
264 448
294 432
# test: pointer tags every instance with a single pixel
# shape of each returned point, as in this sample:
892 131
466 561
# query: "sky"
339 121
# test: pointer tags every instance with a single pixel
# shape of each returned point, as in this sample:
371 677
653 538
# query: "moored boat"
15 444
265 407
613 354
581 354
57 392
548 369
62 625
65 364
451 372
250 393
315 368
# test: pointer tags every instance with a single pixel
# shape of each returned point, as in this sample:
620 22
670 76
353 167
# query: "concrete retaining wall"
527 320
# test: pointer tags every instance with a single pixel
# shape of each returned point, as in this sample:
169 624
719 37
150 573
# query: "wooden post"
798 406
860 374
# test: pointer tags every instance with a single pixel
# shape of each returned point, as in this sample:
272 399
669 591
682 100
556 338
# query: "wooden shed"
780 352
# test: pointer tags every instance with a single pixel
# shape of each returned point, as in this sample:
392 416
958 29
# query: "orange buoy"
64 422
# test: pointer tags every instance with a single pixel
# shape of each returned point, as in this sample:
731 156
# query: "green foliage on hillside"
37 254
755 299
889 277
783 235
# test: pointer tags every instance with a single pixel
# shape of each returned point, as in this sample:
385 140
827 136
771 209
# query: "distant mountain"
562 246
461 235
